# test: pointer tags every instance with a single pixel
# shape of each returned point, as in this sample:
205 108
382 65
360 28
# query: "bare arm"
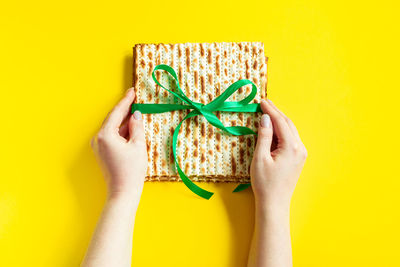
121 150
275 169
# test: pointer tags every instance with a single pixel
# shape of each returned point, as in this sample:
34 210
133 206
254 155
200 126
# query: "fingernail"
265 121
137 115
263 101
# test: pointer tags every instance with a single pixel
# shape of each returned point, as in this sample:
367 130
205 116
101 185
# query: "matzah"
205 70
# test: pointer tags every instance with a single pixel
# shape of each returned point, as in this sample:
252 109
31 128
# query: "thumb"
136 128
264 138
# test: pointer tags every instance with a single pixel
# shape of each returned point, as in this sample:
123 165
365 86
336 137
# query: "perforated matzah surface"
204 71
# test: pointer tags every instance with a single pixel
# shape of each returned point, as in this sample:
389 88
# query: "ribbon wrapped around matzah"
204 71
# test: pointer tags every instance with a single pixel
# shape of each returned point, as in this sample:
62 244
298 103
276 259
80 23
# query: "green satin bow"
218 104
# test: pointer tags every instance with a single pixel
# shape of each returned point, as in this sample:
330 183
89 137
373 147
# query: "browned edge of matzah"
203 178
134 80
134 66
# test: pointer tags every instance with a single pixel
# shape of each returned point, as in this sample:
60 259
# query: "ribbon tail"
241 187
189 184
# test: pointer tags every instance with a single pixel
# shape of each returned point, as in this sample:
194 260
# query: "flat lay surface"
332 68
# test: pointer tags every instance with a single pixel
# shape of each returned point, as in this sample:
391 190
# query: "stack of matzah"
205 70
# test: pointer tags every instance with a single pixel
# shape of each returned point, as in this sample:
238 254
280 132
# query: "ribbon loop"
171 71
218 104
220 100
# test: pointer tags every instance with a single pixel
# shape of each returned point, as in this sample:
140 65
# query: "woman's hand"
120 147
277 163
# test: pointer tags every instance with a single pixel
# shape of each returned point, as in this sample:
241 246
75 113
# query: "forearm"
120 147
271 245
111 244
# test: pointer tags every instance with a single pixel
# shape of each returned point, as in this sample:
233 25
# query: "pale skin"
120 148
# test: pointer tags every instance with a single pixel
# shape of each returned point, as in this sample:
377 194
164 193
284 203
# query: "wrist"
130 197
272 206
272 216
277 198
129 187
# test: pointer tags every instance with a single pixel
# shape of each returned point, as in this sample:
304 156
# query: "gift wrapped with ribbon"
201 110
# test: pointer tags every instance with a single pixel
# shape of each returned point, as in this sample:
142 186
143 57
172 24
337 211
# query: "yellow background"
333 69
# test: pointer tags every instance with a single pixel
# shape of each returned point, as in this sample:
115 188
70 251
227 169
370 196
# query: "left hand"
275 169
120 147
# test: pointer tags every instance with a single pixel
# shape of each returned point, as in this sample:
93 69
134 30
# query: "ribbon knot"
197 106
206 110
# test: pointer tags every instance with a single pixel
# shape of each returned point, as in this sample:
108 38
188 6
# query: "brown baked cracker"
205 70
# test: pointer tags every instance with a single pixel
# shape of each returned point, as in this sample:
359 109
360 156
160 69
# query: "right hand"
274 170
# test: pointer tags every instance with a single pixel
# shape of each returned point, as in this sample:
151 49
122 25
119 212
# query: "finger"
280 126
105 119
124 129
294 130
292 127
264 137
136 128
93 142
120 111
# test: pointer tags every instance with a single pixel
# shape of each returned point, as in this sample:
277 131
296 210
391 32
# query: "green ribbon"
206 110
